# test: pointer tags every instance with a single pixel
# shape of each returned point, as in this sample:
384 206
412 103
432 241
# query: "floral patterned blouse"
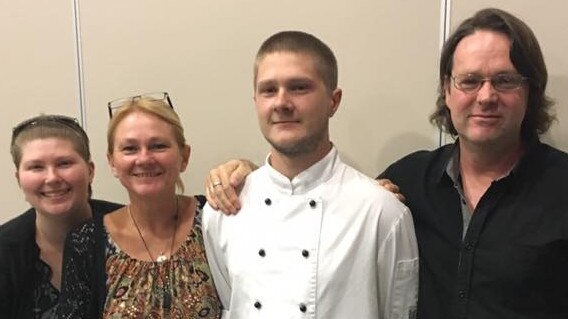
180 287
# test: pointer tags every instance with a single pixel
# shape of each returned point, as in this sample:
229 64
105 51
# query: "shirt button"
303 307
268 201
468 246
261 253
305 253
313 203
461 294
257 305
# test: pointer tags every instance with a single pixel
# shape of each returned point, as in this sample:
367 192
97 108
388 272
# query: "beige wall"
202 52
38 70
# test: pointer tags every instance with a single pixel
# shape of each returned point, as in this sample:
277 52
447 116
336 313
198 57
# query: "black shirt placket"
468 248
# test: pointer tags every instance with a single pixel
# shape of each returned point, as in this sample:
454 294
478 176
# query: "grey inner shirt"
453 170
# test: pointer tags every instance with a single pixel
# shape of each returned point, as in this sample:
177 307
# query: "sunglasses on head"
66 121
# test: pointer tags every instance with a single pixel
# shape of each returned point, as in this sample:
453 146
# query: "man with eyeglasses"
490 210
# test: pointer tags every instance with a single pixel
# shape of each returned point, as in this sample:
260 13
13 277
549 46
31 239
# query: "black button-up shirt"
512 261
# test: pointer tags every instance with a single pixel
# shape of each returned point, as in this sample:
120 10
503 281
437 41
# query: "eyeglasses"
67 121
154 96
502 82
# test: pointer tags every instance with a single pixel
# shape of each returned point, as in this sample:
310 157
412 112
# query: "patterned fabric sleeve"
78 270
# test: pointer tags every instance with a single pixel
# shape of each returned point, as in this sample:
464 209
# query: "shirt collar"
307 180
444 165
451 160
453 168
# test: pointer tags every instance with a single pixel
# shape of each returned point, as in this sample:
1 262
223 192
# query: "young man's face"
293 103
486 116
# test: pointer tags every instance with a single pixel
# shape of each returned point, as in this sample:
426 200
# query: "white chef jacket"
329 244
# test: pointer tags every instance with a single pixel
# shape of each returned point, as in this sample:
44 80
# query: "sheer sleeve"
79 269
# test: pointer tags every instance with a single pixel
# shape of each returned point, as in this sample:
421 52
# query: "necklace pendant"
161 258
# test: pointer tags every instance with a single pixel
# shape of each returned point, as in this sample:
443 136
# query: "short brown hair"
302 42
50 126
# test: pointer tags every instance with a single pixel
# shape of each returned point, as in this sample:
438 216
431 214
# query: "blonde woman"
150 253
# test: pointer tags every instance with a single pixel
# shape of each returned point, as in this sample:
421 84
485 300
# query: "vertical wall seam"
79 63
445 13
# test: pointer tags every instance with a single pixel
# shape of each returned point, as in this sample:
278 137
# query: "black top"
25 291
513 261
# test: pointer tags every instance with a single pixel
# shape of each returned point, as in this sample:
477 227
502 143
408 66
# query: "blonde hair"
154 107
